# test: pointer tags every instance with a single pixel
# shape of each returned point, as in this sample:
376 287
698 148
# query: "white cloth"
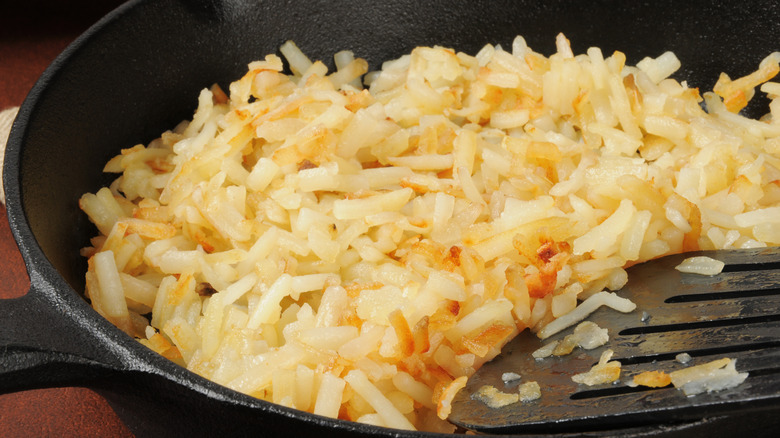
7 117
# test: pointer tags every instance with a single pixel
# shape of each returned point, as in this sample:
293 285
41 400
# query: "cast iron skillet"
138 72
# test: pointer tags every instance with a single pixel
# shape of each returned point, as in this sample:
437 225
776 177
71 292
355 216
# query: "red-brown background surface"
32 34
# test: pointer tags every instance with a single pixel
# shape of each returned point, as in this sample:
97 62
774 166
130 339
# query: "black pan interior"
138 72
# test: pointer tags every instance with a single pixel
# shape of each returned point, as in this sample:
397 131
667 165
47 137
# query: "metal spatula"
735 314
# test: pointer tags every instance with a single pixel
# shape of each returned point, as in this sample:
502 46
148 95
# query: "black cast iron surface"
138 72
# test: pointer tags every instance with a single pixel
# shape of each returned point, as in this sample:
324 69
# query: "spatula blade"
735 314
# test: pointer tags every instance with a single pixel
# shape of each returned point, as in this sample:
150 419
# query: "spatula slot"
741 267
726 322
716 296
724 350
612 392
764 372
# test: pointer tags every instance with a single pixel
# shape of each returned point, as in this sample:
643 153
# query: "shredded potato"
701 265
605 371
494 398
359 253
653 379
712 376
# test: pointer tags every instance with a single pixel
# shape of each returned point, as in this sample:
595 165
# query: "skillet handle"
42 342
41 346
